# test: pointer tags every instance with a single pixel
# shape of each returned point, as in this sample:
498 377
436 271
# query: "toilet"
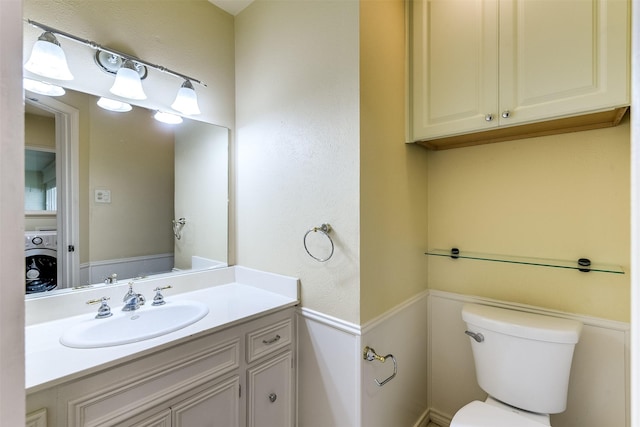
522 361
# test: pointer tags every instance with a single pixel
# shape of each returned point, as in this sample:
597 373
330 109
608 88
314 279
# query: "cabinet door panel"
156 419
270 393
560 58
455 74
217 406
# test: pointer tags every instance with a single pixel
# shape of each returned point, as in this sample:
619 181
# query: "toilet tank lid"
522 324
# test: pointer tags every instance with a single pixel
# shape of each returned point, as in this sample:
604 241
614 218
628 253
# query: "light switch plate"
102 196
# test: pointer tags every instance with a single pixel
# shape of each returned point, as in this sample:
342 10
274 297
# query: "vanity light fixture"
129 70
186 101
169 118
113 105
43 88
48 59
128 84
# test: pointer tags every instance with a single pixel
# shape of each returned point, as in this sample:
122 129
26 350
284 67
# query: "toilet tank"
524 359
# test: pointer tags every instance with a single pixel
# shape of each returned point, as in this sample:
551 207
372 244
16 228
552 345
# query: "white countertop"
251 295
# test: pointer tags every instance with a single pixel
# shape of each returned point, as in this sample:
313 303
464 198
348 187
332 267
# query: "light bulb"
113 105
43 88
168 118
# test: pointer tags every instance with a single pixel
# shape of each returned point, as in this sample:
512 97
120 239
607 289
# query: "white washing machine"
41 255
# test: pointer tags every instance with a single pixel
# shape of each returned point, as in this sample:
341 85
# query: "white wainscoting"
336 385
599 384
328 371
436 375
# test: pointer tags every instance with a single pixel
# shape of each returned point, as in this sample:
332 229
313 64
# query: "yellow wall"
393 175
320 136
39 131
562 197
131 155
297 138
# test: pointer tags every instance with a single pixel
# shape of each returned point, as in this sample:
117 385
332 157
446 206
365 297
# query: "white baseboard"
424 419
439 418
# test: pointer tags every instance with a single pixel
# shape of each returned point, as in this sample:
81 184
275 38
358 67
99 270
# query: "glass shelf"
509 259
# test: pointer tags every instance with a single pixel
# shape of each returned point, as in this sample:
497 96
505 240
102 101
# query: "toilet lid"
480 414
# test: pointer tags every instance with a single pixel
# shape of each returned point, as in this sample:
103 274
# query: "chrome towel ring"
325 229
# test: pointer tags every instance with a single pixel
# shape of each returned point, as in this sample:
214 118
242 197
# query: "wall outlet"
102 196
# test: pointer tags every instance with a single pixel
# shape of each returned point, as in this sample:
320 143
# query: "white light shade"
127 83
169 118
48 59
43 88
113 105
186 101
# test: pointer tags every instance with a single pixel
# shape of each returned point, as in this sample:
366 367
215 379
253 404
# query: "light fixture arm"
96 46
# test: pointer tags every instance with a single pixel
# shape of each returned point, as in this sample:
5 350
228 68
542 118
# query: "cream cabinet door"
562 58
454 86
217 406
482 64
270 393
155 419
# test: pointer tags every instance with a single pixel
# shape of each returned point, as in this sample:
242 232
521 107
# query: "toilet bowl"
522 361
492 413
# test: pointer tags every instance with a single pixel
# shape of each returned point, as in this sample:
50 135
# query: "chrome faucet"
132 300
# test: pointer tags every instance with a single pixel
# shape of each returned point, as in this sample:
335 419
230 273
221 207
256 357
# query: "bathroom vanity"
235 366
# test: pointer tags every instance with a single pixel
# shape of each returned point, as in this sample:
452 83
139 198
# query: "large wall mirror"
119 195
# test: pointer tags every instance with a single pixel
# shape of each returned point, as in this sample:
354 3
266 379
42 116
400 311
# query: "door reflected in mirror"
131 177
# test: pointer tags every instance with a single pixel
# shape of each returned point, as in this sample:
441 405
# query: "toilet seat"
481 414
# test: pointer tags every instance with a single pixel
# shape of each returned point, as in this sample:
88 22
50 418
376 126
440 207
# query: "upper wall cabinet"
491 70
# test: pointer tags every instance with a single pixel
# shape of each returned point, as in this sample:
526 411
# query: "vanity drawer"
269 339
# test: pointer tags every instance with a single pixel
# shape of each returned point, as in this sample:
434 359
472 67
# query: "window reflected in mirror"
40 193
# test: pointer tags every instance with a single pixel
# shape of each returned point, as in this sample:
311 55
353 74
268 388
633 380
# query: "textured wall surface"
562 197
298 145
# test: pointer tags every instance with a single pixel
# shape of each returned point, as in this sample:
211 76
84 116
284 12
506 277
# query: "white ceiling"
232 6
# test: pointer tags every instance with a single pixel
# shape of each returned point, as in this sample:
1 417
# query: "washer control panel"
40 239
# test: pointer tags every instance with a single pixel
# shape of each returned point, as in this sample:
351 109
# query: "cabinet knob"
488 117
273 397
506 114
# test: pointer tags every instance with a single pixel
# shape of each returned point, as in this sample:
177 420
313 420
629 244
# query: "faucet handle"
158 299
104 310
129 293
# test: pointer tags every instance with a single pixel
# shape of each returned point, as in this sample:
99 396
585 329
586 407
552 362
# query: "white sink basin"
126 327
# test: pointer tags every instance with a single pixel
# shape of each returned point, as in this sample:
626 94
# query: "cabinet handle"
506 114
273 397
488 117
272 340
